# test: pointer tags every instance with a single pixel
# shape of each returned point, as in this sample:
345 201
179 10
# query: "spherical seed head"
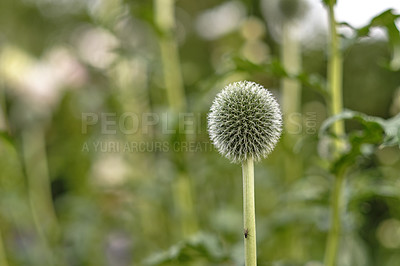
245 122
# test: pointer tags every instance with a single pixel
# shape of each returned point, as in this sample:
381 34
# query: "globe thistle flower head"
245 122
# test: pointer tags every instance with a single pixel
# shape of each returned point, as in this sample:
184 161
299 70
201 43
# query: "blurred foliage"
75 191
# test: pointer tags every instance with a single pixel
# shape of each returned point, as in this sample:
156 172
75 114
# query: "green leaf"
328 2
390 126
346 114
387 19
376 131
204 248
276 69
392 131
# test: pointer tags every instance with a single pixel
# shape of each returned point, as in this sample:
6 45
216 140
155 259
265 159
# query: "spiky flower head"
245 121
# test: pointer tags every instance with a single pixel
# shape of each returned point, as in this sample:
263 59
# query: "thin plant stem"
4 125
182 187
334 232
291 88
39 190
38 178
336 106
165 21
3 257
24 163
335 70
249 213
291 105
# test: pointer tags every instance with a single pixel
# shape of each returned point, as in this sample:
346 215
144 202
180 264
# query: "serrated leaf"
346 114
390 126
376 131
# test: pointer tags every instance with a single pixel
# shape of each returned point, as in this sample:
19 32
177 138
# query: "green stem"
4 126
3 258
334 232
39 189
291 88
165 21
291 105
335 73
183 199
336 107
249 213
24 157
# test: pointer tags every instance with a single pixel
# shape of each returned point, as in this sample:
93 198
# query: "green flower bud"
245 122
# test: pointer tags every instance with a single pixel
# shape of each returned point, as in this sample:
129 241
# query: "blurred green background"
104 153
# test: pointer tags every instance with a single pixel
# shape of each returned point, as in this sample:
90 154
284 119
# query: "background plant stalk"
249 213
182 187
3 258
334 233
39 189
335 68
291 88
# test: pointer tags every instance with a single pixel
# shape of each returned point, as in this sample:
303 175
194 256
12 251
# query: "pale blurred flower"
254 48
255 51
307 25
109 169
119 248
253 29
40 83
95 47
220 20
388 233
